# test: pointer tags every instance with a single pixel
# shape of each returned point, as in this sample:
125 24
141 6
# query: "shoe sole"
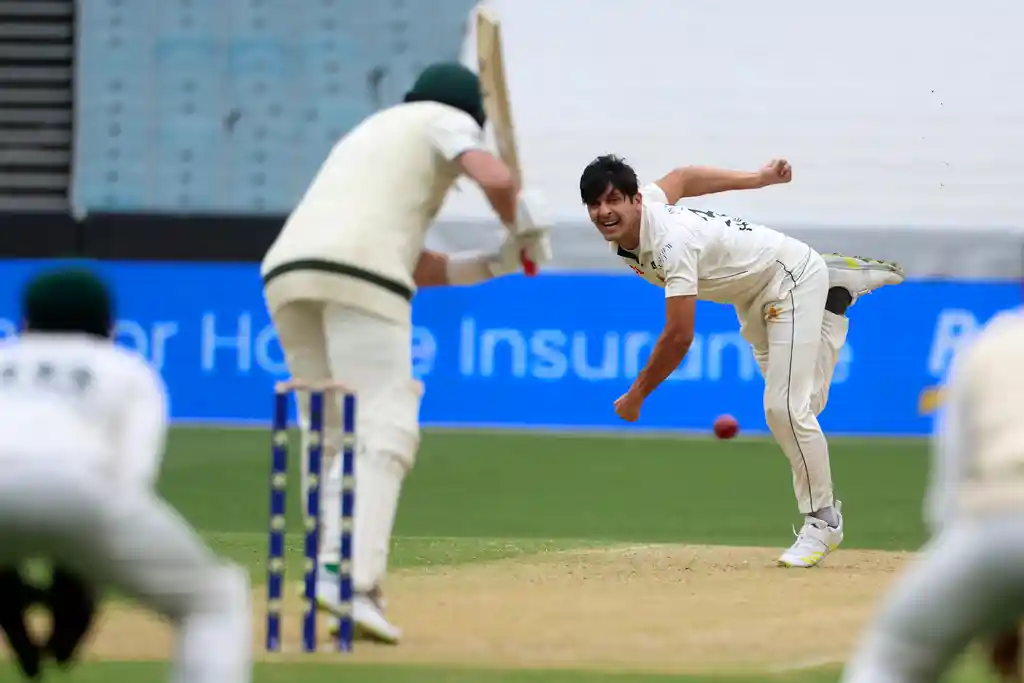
360 632
363 633
862 263
789 565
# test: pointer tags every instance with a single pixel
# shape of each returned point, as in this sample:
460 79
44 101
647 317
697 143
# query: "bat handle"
529 267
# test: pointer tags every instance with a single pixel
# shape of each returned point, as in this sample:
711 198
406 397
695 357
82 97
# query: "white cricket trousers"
796 343
372 357
968 582
137 544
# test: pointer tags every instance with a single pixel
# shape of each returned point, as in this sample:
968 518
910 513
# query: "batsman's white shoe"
815 540
328 589
367 615
859 275
370 622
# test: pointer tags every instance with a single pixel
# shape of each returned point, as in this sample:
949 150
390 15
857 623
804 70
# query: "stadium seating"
190 106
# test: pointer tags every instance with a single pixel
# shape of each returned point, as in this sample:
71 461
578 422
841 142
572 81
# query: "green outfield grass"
475 497
118 672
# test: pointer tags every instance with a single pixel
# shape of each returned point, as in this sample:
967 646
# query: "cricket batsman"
339 282
83 424
790 300
968 581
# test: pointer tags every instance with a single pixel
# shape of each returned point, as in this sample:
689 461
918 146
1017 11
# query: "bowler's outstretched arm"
696 181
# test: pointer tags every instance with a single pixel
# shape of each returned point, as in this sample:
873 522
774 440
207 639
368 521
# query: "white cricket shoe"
370 622
367 609
815 540
859 275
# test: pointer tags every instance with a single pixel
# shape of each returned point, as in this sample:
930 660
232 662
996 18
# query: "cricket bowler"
967 583
790 300
83 424
339 282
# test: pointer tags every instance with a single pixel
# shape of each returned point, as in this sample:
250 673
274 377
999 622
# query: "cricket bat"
491 69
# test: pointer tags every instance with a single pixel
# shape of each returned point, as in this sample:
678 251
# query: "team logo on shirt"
771 314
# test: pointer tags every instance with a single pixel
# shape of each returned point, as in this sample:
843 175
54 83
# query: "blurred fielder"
339 282
82 429
790 300
968 581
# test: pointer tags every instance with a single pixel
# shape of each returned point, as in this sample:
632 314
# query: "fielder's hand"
775 172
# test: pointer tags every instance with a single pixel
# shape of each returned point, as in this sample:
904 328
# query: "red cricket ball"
726 427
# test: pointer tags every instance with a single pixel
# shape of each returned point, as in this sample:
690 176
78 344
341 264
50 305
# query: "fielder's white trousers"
372 357
968 582
131 541
796 343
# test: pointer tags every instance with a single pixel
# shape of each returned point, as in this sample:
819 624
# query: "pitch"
558 558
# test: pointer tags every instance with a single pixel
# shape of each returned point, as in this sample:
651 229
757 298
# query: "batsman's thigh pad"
371 356
364 350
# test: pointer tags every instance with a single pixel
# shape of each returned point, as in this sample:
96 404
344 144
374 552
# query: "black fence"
126 237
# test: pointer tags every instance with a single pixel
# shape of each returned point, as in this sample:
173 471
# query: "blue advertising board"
550 351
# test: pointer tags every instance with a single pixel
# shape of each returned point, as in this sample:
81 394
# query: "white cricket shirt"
82 400
711 255
978 454
356 235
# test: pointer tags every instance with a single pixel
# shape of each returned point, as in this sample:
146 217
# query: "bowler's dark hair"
605 171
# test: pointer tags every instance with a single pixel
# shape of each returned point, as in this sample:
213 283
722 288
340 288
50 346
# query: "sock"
838 300
827 515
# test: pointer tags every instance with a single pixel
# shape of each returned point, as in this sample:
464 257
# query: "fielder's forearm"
668 353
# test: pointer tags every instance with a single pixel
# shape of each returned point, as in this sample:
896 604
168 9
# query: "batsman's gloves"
533 214
530 236
536 245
